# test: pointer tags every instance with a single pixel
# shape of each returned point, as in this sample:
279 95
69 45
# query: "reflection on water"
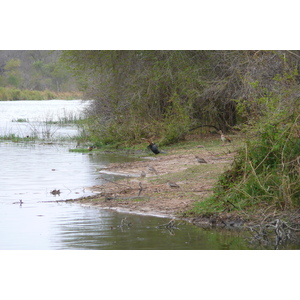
65 226
30 171
70 226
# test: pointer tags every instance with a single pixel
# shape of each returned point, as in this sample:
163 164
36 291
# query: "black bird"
154 148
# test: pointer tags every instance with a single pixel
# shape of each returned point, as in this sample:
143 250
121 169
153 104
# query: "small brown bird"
201 160
224 138
151 169
173 184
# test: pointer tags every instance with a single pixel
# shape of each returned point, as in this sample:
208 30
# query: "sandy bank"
164 185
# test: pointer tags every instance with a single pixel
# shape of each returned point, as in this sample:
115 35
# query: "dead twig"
275 233
140 189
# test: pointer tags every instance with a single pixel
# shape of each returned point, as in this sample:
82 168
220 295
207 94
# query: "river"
30 217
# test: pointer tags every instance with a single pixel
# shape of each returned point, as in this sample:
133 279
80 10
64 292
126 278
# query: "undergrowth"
265 172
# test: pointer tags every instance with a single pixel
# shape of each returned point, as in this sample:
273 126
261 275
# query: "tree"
13 73
165 93
35 70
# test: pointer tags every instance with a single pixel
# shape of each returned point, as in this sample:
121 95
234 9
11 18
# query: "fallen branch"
125 223
169 225
141 188
275 233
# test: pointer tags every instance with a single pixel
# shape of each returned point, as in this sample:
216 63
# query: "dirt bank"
165 184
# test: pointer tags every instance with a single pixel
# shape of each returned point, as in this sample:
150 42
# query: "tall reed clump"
266 172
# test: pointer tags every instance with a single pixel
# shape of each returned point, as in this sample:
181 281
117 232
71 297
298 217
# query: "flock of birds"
153 147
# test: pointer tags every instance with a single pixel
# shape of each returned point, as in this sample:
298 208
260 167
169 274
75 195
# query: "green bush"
177 121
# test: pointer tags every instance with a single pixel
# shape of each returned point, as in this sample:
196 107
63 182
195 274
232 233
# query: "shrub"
265 172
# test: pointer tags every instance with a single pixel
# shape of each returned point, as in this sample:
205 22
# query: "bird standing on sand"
154 148
173 185
201 160
224 138
151 169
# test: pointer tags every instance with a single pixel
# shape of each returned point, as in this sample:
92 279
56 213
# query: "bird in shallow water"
224 138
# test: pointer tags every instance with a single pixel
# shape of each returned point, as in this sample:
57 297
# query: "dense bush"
163 94
266 171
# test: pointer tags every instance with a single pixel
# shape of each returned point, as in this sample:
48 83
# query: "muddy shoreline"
168 185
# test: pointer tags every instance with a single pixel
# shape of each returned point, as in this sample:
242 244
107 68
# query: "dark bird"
55 192
154 148
224 138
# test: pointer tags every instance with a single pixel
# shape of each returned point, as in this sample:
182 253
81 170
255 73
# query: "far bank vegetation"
35 75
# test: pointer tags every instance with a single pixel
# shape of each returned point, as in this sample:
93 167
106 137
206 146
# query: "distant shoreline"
13 94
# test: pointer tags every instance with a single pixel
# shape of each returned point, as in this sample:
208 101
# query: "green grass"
20 120
80 150
15 138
